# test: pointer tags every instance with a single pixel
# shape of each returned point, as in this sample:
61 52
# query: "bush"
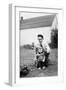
24 71
27 46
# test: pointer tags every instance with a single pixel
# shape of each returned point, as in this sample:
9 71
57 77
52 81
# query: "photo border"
15 78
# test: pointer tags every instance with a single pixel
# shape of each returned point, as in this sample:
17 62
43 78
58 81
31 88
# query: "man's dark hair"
40 35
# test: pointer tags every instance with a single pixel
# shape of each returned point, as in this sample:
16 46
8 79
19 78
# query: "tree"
54 38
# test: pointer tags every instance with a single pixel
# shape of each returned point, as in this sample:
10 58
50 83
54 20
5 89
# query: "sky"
30 35
31 15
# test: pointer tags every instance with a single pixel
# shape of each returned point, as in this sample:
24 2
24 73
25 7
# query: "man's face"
40 39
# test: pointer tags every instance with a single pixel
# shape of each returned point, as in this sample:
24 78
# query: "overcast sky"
30 35
32 15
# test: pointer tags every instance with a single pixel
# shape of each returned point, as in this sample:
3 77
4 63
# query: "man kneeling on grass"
42 52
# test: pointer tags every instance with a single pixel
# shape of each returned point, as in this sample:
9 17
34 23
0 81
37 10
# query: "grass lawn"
27 56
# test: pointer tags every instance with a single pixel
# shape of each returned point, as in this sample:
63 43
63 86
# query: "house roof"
36 22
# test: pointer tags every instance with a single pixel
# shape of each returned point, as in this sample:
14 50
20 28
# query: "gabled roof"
42 21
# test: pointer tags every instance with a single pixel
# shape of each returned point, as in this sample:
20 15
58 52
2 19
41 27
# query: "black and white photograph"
35 45
38 44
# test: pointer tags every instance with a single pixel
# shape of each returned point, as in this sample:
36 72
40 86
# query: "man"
42 51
